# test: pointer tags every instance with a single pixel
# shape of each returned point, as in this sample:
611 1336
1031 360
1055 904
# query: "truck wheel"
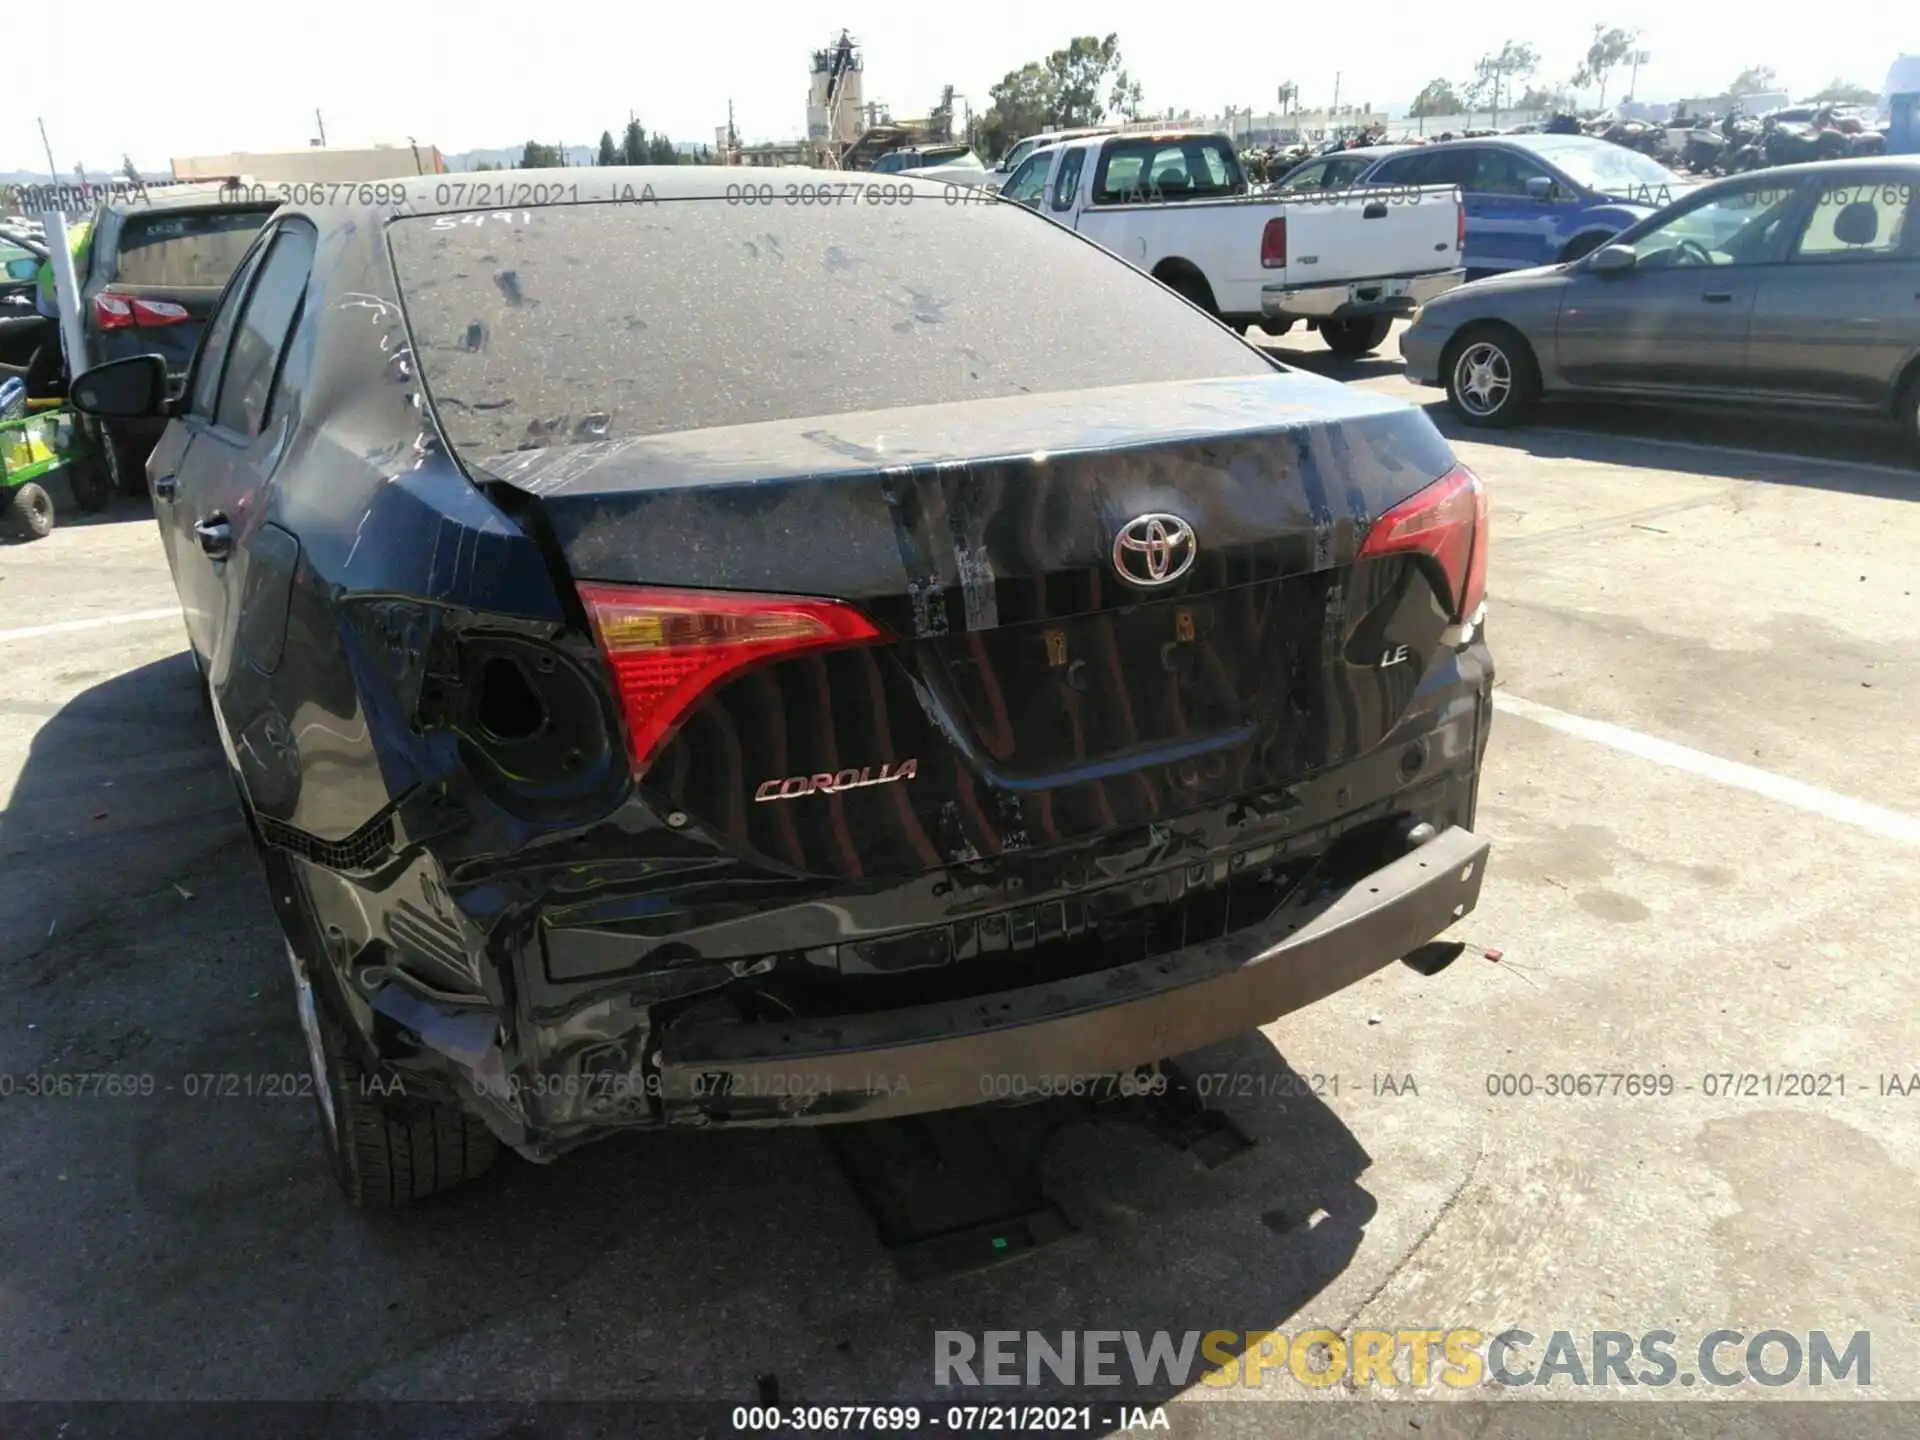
1909 410
385 1149
1354 338
1193 285
126 462
1490 375
91 485
29 512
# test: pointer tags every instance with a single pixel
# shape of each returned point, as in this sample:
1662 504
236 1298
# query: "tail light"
667 648
1447 522
1273 244
1460 226
117 312
110 312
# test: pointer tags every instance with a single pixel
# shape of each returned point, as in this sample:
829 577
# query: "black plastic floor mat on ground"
959 1190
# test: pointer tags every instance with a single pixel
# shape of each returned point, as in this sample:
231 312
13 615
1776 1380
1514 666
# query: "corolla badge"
1154 549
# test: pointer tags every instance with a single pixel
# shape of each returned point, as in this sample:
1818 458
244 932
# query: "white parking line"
1784 457
1877 820
97 622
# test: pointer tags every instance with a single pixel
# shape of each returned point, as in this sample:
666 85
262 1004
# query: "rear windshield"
1196 167
185 250
593 322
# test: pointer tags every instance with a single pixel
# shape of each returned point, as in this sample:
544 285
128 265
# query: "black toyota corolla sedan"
694 652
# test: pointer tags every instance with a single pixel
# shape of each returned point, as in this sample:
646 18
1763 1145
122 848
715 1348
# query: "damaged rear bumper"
1025 1042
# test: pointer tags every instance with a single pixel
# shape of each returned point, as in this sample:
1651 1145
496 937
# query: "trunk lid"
1026 692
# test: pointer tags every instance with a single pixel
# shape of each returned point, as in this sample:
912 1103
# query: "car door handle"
1375 211
1717 297
216 536
167 488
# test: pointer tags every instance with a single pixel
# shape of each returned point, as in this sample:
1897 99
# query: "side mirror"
1540 187
1613 260
130 389
23 267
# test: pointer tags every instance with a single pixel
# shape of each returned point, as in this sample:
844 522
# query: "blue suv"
1537 199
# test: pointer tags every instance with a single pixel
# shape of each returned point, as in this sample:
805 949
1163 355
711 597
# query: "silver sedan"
1793 287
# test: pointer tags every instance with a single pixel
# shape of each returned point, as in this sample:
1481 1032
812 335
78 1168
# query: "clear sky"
210 76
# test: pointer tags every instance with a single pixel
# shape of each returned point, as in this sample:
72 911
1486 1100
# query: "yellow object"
18 450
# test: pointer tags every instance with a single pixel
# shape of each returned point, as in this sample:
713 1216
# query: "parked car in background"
963 169
926 157
1017 155
1536 199
155 264
1177 204
1339 171
991 689
1792 287
29 341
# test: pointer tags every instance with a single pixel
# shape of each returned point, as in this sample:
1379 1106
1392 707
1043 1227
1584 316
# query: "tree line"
635 147
1497 73
1083 83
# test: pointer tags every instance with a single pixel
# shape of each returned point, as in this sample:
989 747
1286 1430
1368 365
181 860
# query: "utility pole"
53 170
1640 57
322 125
1336 92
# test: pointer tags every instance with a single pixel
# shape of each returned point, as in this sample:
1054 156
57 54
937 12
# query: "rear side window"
185 251
261 335
1307 177
1861 220
1434 167
1404 171
696 313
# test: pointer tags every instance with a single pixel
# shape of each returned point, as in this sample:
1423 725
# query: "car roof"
204 195
1178 132
1540 144
496 190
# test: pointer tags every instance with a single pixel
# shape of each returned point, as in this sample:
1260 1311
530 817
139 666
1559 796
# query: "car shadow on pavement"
1335 367
1621 435
122 786
672 1266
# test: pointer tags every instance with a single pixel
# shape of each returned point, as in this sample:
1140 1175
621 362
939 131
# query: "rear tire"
385 1150
92 486
1491 377
1194 287
127 461
1354 338
29 512
1909 414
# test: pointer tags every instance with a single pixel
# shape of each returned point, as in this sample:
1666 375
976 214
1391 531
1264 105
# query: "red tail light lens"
1460 226
1273 244
110 312
1447 522
117 312
667 648
158 312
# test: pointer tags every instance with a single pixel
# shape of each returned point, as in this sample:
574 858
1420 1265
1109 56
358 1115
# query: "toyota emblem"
1154 549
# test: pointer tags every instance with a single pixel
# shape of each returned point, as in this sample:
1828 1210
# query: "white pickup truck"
1177 205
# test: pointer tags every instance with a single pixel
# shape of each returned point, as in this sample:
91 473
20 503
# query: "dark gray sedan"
1792 287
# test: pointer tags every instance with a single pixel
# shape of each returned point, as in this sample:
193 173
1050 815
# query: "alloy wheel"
1483 378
